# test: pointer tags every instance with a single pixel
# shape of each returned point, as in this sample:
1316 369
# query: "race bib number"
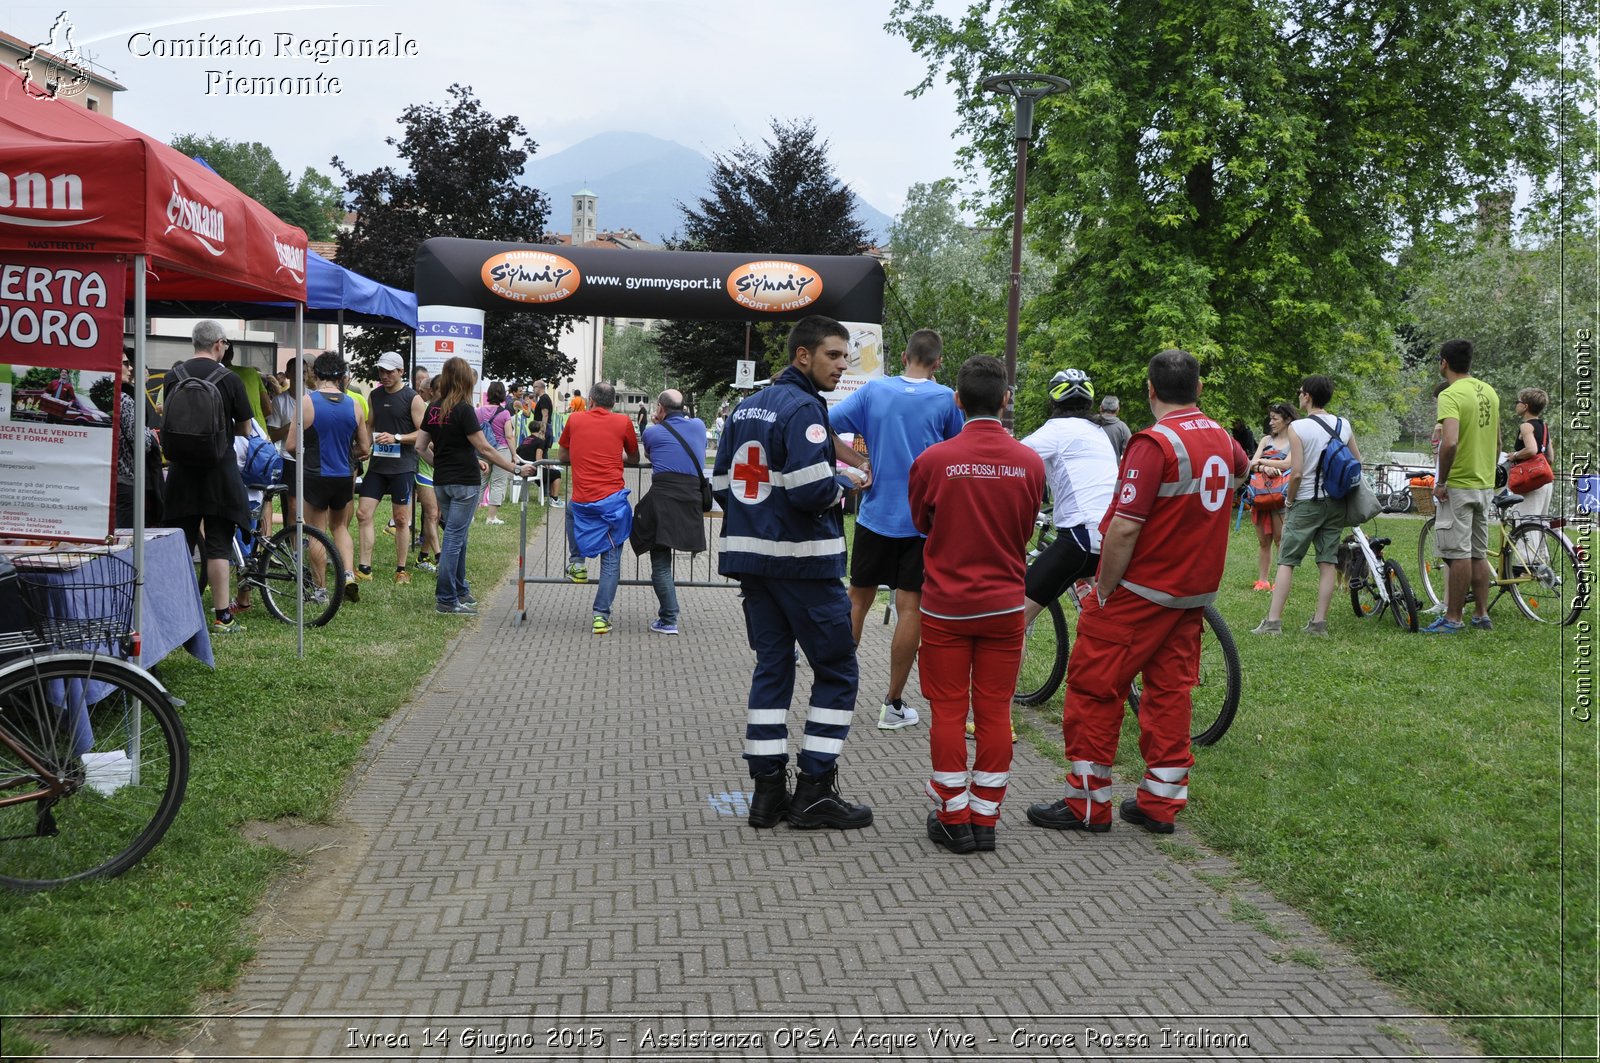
386 450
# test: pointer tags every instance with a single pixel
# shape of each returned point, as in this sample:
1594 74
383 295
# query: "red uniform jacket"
1177 480
975 498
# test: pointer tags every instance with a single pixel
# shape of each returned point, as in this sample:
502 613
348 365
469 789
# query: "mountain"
640 180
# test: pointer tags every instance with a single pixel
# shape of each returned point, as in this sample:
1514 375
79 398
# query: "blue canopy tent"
333 295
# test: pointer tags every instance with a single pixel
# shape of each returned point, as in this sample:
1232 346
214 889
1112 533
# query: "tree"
950 276
461 179
314 204
1509 296
1235 177
780 198
631 358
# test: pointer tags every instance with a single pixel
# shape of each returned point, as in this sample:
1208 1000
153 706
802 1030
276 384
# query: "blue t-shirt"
666 454
900 418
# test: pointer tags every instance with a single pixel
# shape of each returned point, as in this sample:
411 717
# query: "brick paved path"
550 858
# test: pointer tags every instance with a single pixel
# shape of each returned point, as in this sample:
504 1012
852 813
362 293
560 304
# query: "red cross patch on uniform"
750 476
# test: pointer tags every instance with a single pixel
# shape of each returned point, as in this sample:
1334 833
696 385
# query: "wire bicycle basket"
77 599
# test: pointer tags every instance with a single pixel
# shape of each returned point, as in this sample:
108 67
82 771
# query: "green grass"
271 737
1429 801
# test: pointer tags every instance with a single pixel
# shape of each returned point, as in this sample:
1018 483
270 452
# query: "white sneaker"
895 715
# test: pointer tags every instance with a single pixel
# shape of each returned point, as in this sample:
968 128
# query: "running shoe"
661 627
601 626
359 576
896 714
230 626
578 573
352 589
426 566
402 578
972 732
1443 626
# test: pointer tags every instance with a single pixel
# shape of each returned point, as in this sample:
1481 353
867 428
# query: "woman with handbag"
1269 479
1530 472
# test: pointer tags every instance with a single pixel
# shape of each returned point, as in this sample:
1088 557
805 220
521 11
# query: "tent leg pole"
139 325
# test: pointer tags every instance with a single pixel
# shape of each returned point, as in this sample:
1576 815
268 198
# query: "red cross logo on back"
754 474
1214 483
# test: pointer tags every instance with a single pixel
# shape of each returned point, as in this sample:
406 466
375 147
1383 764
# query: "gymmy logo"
774 286
55 68
200 220
291 259
531 276
751 476
62 193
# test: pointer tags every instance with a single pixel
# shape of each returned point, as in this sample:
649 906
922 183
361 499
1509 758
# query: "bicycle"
1392 498
268 563
1534 562
1377 583
94 762
1215 696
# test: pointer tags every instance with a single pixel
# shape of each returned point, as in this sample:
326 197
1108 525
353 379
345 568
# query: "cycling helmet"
1071 384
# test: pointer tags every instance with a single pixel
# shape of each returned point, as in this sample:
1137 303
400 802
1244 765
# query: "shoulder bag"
706 500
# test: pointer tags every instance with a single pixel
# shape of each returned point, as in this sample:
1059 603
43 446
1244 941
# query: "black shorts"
1065 560
395 485
329 492
217 542
879 561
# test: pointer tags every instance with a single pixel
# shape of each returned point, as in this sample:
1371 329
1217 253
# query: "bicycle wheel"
1215 696
1552 585
1432 570
1044 657
1364 596
1402 605
106 732
321 583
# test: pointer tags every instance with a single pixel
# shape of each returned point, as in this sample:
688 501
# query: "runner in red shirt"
974 497
1165 545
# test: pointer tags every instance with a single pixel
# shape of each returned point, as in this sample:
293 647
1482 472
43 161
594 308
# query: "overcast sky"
706 73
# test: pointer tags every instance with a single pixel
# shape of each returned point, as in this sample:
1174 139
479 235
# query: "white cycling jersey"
1082 470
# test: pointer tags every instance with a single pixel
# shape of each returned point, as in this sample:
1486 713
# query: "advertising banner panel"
604 282
60 350
446 332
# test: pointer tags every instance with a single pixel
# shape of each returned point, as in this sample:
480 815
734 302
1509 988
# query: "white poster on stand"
445 332
866 359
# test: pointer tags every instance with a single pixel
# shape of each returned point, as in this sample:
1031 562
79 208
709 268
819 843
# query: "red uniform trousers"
1117 641
970 664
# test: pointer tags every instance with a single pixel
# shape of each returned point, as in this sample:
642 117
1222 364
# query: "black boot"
771 799
817 803
957 837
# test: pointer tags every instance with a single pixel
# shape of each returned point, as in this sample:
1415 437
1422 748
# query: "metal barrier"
688 570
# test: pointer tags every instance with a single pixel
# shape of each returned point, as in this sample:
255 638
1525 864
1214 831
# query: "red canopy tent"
74 181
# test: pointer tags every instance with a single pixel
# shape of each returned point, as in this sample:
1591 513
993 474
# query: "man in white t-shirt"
1313 518
1080 462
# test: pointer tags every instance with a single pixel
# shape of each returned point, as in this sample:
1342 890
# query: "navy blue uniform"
783 539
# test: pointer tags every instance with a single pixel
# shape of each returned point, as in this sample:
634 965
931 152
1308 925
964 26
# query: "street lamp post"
1025 89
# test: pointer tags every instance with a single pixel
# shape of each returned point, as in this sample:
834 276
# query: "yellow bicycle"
1533 561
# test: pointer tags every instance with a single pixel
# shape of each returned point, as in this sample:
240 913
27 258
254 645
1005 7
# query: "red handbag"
1530 475
1267 490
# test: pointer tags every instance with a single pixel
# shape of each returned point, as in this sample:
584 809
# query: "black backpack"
195 427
